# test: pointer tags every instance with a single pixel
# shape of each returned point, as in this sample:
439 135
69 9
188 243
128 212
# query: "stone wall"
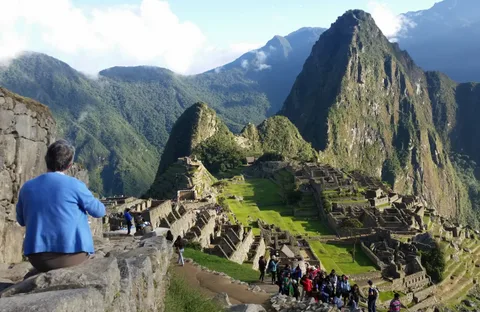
241 252
206 232
156 213
260 251
26 130
425 293
183 224
133 280
379 264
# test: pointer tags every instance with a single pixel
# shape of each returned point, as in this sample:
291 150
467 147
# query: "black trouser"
274 277
129 227
262 274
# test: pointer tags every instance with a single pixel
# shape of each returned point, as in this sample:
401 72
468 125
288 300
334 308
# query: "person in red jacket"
307 286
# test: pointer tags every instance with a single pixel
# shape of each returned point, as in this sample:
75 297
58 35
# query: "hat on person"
370 282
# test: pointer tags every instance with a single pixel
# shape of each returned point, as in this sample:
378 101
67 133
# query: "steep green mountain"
120 121
199 133
118 157
366 105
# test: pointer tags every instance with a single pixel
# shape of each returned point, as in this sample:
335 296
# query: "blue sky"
187 36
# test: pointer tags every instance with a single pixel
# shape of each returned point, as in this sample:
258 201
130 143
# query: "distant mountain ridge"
445 38
121 121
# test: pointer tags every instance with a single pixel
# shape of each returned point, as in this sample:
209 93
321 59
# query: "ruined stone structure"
203 231
398 261
132 278
26 130
234 243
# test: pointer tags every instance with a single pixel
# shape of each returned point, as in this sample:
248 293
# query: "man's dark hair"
396 295
59 155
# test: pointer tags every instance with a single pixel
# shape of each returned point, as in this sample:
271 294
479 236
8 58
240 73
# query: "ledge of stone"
133 278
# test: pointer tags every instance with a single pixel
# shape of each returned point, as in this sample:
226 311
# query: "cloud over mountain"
93 39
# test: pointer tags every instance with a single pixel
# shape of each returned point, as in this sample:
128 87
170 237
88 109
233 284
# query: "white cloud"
390 23
244 64
260 60
94 39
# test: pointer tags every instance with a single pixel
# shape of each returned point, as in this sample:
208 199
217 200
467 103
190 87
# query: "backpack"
374 291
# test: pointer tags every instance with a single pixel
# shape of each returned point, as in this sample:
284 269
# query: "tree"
434 262
350 224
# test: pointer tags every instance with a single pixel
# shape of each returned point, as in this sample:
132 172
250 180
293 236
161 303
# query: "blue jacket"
128 216
53 207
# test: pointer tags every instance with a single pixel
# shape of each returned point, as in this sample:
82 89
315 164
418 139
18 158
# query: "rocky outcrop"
131 277
26 130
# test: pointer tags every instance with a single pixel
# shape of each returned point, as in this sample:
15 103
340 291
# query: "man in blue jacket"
54 208
128 219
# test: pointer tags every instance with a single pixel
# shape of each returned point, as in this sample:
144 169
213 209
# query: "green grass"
182 298
388 295
242 272
339 258
262 199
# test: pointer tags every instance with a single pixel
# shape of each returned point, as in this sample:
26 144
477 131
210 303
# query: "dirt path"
211 284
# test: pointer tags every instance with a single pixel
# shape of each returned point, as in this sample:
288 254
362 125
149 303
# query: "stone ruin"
288 248
398 261
234 243
402 214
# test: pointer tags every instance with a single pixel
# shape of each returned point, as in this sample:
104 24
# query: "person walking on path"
180 248
395 304
273 269
54 209
261 266
372 297
128 219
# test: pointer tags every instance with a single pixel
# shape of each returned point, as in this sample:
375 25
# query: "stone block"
137 282
30 160
7 150
17 271
70 300
10 232
6 192
6 119
101 274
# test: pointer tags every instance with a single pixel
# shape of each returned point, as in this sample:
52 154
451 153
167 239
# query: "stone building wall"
206 232
182 225
241 252
135 279
26 130
156 213
372 256
259 252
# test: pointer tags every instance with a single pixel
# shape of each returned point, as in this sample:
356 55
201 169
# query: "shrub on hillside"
434 262
194 245
271 156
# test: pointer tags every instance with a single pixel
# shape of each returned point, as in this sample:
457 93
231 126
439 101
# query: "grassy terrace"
180 297
242 272
262 199
339 258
